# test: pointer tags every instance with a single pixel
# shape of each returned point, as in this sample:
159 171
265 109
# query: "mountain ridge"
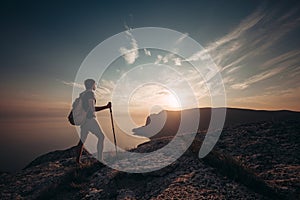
166 122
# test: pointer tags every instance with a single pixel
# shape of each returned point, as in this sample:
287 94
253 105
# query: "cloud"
177 61
281 99
249 44
168 58
238 32
130 55
158 59
290 58
256 78
235 63
73 84
185 35
162 92
147 52
149 95
104 88
233 69
295 73
230 40
228 80
165 59
250 39
200 55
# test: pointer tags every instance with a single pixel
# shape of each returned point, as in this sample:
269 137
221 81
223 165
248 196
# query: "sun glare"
171 102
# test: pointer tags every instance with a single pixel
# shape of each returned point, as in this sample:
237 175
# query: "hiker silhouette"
91 124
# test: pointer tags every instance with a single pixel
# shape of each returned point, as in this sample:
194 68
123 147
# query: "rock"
264 151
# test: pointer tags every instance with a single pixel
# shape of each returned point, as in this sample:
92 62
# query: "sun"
171 102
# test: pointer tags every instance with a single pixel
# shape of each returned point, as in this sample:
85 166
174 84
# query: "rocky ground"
270 149
250 161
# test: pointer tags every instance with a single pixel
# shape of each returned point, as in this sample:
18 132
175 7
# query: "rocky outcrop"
166 123
250 161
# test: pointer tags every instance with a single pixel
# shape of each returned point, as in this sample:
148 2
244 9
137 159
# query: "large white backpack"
77 115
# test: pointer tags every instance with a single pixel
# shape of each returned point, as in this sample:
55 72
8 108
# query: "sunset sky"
254 44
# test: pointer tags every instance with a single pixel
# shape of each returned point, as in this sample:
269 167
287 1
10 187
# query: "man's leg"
95 129
100 148
83 135
79 151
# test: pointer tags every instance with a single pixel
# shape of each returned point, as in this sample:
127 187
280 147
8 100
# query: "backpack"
77 115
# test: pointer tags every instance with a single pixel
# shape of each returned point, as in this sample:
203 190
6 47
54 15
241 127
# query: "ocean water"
24 139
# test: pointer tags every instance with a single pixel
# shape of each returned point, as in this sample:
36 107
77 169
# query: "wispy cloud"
104 88
249 45
230 42
73 84
147 52
146 97
281 99
228 80
233 69
169 58
131 54
158 59
256 78
177 61
290 58
185 35
250 39
200 55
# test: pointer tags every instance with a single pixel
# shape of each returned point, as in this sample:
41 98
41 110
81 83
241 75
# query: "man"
91 124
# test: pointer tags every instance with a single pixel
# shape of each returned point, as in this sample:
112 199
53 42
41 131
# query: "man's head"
90 84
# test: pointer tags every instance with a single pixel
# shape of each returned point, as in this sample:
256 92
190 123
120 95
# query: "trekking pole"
113 129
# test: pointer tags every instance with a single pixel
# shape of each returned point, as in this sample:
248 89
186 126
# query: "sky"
254 44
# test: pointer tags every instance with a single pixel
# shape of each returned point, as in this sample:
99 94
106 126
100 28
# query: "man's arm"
99 108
